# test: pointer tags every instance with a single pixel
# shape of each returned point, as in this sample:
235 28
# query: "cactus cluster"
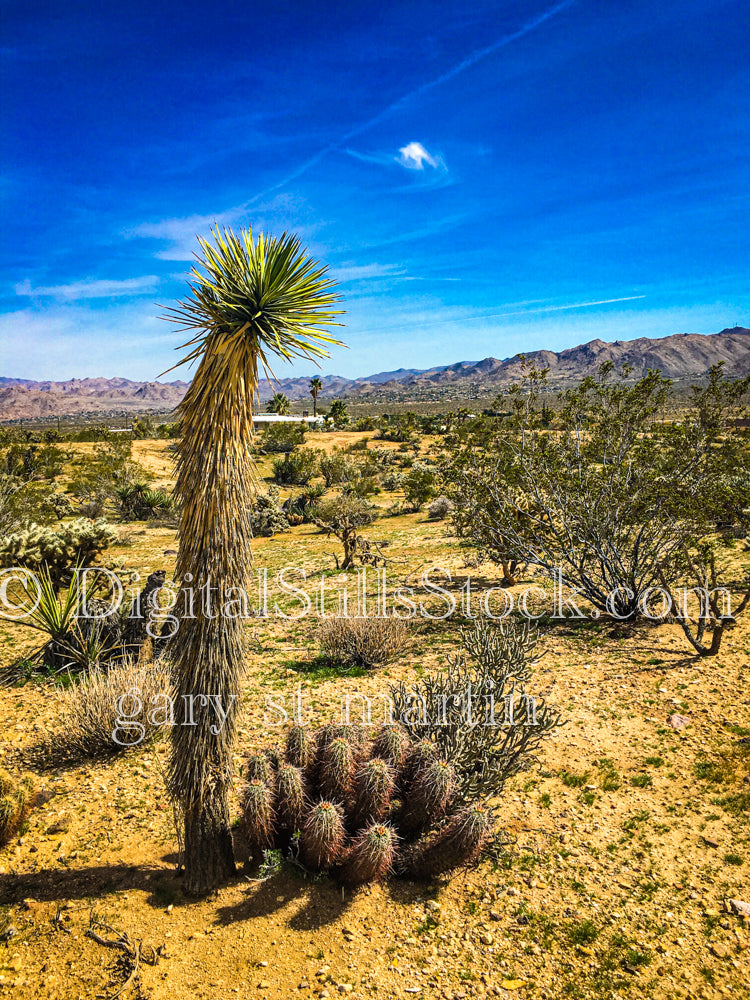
58 549
362 808
16 801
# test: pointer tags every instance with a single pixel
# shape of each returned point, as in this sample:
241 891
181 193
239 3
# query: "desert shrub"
23 502
303 504
392 481
440 508
480 744
59 549
107 712
343 516
412 801
296 468
267 517
601 503
338 467
16 801
364 642
135 501
282 438
419 485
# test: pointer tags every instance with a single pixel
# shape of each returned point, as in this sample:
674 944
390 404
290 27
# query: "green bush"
297 468
282 438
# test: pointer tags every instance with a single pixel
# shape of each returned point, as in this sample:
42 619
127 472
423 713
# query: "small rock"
304 985
264 985
432 906
719 950
495 915
486 938
678 722
710 843
740 908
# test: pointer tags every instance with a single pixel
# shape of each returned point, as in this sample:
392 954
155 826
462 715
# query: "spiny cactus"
429 796
58 549
457 843
16 801
322 839
290 799
374 785
259 768
300 747
258 814
360 817
371 856
392 745
336 770
419 756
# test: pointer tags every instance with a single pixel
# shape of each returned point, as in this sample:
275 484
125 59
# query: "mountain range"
681 356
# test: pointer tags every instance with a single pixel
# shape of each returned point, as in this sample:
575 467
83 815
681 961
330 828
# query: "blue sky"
481 181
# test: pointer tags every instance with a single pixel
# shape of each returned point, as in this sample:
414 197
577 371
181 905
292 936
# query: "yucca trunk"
214 481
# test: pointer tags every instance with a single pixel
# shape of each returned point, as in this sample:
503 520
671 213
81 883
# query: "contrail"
466 63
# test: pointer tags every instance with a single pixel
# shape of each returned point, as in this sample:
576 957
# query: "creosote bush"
364 642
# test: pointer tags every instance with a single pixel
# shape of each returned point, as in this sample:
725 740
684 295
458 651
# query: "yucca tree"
251 299
280 404
315 387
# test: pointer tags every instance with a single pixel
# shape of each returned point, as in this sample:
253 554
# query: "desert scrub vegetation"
603 500
16 802
57 550
412 798
110 711
364 642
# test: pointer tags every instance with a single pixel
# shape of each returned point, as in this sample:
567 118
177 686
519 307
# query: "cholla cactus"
371 856
16 801
59 549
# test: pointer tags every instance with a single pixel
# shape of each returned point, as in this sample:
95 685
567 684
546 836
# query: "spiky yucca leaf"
250 299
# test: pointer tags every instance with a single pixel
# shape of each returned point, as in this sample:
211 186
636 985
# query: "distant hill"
681 356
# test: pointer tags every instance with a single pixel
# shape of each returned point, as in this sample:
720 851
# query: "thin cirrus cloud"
94 288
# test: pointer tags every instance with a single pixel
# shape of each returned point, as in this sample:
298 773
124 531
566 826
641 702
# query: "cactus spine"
290 799
371 856
258 814
375 783
456 844
429 795
322 838
337 763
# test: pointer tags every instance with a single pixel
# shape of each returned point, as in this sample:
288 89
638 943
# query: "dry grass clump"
363 642
110 711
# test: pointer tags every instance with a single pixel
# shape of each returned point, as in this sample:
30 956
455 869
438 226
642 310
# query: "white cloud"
93 288
361 272
413 156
